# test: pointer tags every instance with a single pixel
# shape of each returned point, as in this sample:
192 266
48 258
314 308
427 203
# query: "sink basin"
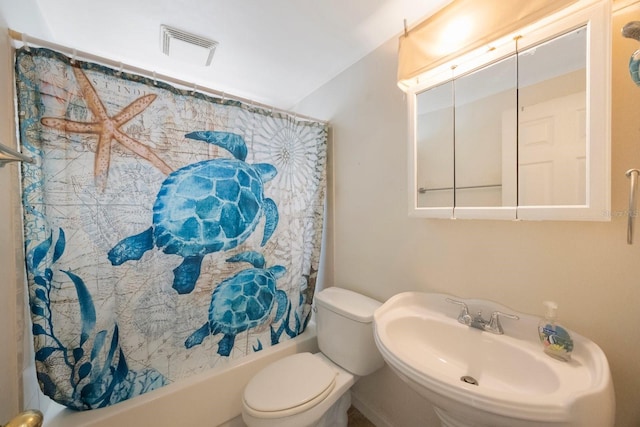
476 378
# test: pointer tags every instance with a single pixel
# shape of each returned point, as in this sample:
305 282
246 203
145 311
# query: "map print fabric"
166 231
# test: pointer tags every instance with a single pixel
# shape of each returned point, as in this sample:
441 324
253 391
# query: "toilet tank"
344 321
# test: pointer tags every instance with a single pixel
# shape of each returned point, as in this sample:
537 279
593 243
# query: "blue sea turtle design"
209 206
241 302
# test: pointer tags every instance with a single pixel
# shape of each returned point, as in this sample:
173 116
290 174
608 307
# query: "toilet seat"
289 386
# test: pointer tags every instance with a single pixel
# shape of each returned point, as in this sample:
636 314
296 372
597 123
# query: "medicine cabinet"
519 129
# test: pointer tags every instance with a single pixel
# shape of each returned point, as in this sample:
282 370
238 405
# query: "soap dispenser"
556 339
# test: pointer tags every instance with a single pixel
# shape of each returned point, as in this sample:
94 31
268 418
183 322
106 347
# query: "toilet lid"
291 384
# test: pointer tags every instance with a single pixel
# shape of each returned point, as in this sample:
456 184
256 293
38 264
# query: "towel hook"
633 175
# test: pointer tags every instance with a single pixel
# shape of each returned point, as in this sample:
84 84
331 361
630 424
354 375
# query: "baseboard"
370 412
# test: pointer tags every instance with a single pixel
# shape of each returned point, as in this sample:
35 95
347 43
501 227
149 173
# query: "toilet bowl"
276 396
304 389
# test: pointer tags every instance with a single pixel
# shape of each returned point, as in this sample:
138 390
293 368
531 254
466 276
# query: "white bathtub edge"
190 401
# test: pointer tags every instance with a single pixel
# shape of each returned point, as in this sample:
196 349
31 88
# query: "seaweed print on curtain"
166 231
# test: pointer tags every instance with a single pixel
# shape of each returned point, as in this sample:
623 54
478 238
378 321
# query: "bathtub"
210 399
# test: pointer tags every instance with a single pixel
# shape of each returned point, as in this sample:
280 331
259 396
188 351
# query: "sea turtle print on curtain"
241 302
208 206
166 231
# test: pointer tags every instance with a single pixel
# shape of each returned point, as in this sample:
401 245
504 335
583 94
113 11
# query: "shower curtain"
166 231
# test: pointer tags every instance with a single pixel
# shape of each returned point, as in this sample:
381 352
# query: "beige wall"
375 248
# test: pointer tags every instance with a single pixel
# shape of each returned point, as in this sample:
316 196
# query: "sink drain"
469 380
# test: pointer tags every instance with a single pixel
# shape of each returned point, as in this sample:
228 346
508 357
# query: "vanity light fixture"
465 26
455 35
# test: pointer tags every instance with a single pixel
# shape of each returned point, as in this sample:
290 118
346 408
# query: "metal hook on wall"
632 212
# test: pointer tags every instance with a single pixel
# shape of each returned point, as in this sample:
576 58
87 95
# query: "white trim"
502 212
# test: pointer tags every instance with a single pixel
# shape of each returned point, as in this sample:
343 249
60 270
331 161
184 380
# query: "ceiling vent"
186 47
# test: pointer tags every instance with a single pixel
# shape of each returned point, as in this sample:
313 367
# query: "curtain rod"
27 41
8 155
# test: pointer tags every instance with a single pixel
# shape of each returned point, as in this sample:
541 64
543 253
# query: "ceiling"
275 52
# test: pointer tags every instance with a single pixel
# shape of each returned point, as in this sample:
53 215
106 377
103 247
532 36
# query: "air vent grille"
186 47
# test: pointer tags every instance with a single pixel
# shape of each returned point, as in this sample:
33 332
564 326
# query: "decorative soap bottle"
556 339
632 31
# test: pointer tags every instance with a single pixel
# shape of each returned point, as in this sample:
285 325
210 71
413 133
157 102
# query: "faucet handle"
464 317
495 325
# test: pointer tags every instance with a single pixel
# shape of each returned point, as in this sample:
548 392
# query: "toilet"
304 389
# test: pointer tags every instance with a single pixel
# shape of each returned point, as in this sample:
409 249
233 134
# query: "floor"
356 419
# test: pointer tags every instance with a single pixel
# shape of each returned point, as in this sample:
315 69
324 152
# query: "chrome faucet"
492 325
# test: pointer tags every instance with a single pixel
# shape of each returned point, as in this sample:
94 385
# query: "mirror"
484 100
434 146
524 135
552 127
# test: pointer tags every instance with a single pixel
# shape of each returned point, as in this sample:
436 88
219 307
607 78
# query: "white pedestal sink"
478 379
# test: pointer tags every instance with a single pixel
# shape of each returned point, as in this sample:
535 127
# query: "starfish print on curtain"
108 129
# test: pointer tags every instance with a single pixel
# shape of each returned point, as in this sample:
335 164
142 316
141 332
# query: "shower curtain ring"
25 43
155 82
120 69
193 91
74 53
